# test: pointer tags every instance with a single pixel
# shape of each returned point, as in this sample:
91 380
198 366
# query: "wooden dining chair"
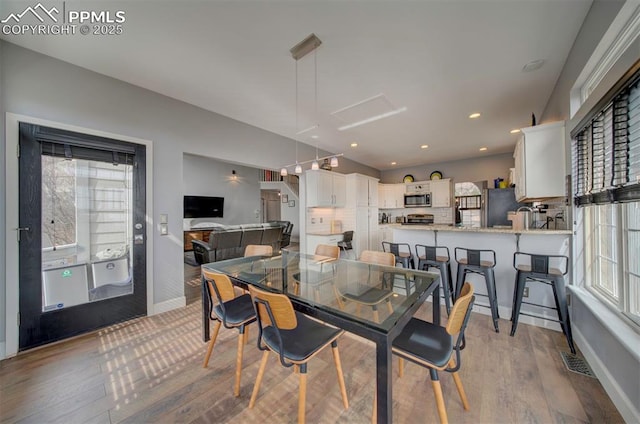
295 338
373 296
231 310
433 346
324 254
258 250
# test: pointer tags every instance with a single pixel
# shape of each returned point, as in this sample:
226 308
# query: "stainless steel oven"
417 200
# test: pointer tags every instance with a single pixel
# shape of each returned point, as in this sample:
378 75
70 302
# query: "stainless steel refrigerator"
496 202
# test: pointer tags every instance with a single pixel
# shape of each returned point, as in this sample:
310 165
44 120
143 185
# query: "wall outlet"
313 220
526 292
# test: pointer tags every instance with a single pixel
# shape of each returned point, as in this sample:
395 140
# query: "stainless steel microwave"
417 200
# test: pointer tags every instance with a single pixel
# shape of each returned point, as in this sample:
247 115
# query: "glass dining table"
372 301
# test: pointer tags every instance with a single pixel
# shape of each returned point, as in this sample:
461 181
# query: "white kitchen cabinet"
391 196
540 163
385 233
441 193
419 187
313 240
365 235
362 191
325 189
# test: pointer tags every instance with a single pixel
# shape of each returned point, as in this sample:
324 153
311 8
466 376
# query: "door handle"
19 229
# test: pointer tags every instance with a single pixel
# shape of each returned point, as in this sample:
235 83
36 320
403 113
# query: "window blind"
606 149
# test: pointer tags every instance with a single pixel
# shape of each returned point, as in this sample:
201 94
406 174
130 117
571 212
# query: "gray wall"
616 367
485 168
40 86
209 177
3 216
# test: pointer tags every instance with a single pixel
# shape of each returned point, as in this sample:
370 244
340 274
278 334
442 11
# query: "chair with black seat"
286 235
373 295
433 346
402 252
438 257
546 269
232 311
295 338
481 262
346 243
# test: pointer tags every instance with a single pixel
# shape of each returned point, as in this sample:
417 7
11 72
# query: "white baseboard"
627 409
3 350
169 305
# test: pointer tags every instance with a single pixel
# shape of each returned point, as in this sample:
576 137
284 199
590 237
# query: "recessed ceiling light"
354 144
533 65
314 137
474 115
424 146
393 163
515 131
483 149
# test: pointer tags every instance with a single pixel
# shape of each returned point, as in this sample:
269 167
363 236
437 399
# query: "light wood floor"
150 370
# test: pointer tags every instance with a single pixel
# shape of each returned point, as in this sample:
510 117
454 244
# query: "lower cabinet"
315 239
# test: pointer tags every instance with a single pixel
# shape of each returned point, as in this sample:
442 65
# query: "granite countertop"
440 227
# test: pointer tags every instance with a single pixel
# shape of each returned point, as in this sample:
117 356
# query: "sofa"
230 241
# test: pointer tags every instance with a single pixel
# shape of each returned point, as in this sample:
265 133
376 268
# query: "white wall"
485 168
40 86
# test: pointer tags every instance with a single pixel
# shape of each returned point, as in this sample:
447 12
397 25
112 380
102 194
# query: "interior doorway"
270 205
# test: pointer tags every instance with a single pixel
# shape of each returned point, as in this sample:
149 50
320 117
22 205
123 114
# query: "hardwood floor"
150 370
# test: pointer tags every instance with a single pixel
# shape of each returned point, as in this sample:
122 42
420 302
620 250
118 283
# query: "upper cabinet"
326 189
391 196
441 193
540 162
362 191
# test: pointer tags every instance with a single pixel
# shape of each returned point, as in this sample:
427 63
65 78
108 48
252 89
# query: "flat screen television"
203 207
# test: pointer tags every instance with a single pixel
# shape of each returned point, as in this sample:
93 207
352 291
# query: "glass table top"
373 295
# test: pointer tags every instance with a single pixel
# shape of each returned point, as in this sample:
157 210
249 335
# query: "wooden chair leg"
374 415
343 388
400 367
458 381
389 307
357 309
303 396
246 334
256 387
241 341
376 316
437 391
212 341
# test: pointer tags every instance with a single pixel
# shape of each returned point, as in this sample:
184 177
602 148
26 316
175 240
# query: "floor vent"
576 364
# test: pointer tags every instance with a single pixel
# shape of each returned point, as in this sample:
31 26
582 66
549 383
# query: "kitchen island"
504 241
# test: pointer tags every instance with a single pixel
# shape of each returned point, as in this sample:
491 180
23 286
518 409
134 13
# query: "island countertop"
451 228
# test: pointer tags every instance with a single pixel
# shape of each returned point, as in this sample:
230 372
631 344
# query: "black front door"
82 233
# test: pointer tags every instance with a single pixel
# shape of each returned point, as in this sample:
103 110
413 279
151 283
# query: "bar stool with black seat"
546 269
295 338
402 252
346 243
232 311
480 262
433 347
438 257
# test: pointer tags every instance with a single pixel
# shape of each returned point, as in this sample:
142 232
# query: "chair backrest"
273 309
219 285
227 239
431 253
272 236
347 236
476 256
396 248
258 250
542 264
251 235
378 258
324 251
460 311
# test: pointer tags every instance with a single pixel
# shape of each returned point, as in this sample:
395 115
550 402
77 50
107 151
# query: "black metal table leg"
205 312
384 377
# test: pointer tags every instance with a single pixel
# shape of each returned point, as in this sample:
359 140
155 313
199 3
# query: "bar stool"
479 262
346 243
438 257
402 252
546 269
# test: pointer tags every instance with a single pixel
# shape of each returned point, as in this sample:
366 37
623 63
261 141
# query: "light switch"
164 218
164 229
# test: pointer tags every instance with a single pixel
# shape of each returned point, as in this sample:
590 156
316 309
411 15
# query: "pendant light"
298 169
334 162
283 172
314 164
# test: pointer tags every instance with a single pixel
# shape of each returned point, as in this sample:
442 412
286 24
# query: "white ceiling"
441 59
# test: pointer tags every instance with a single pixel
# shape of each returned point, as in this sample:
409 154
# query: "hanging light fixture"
298 51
